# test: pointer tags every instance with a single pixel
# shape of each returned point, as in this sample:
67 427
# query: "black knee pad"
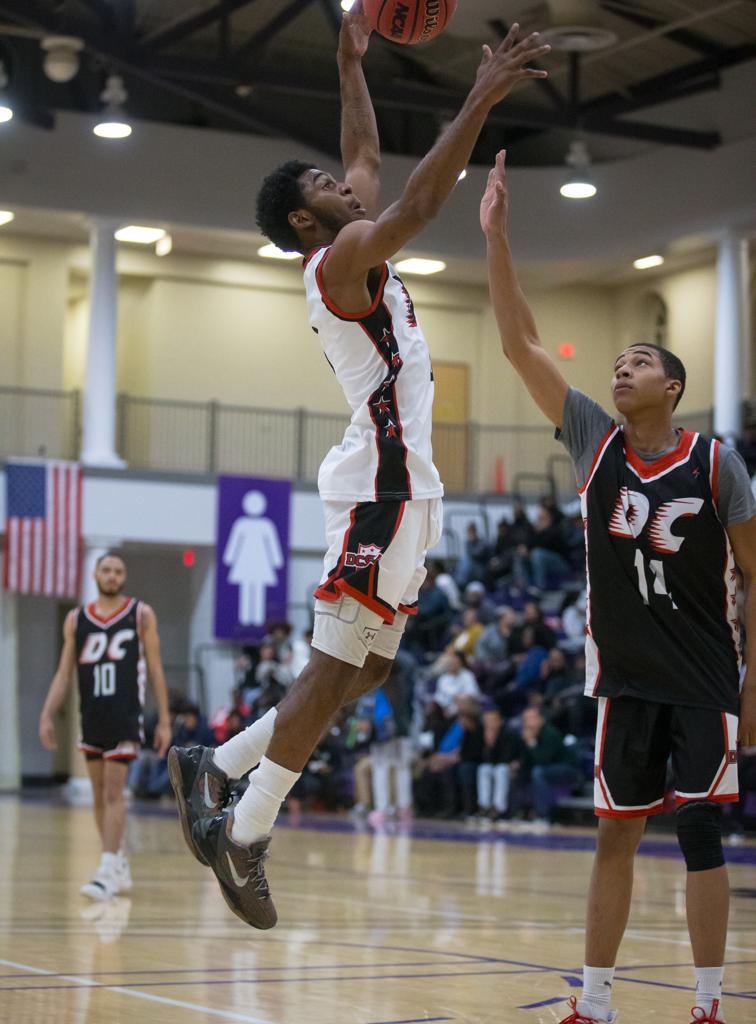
699 832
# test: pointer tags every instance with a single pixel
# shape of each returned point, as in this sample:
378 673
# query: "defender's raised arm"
517 328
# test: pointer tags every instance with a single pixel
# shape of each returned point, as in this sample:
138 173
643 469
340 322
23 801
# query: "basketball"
409 21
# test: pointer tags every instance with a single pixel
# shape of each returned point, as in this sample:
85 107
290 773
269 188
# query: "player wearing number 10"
110 641
667 515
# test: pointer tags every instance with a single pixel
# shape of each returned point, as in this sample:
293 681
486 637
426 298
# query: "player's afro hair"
279 194
671 364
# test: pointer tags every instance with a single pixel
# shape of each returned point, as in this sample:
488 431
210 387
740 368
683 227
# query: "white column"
744 270
99 422
730 341
10 726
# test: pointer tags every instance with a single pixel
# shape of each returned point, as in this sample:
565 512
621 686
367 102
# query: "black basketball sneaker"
202 790
240 870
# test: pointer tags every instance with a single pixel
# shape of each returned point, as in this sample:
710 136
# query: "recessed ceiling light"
5 113
272 252
347 5
578 190
648 261
139 234
6 216
413 265
112 130
164 246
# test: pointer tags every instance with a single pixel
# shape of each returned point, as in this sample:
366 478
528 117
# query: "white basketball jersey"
381 360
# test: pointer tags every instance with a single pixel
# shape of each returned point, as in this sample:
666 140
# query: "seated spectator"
436 788
527 673
457 681
426 631
485 774
475 597
574 623
389 713
492 663
446 582
325 780
547 764
472 564
532 615
501 563
469 633
562 693
148 776
521 531
546 563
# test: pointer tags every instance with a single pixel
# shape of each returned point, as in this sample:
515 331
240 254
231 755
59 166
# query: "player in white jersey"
380 489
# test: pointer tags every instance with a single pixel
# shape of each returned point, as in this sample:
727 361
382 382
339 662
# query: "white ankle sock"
597 992
243 752
109 861
709 987
256 812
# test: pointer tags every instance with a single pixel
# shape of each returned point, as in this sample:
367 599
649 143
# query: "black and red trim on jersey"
677 457
90 611
372 526
392 478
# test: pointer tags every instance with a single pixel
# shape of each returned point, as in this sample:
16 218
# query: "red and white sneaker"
576 1017
701 1016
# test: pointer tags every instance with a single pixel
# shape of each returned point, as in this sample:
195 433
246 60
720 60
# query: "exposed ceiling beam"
102 9
187 24
684 36
669 84
260 39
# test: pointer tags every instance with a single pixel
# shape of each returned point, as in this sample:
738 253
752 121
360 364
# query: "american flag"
43 528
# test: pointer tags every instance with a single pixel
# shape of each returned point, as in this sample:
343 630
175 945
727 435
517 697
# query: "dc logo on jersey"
96 644
366 554
631 515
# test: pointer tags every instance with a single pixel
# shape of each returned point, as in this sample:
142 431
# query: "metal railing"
211 437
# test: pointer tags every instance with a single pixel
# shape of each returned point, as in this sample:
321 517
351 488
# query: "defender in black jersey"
113 643
668 514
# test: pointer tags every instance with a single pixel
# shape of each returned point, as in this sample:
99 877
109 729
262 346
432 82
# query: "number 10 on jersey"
105 679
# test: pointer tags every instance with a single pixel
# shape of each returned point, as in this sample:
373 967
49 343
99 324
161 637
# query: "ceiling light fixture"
112 123
164 246
579 181
6 111
139 234
272 252
413 265
648 261
347 5
462 174
6 216
61 62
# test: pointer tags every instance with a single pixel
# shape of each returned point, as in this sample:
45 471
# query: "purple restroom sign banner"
252 556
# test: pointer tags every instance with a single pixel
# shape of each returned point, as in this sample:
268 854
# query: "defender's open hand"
493 205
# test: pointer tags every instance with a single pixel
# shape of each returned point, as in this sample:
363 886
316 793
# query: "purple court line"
336 978
651 967
232 970
415 1020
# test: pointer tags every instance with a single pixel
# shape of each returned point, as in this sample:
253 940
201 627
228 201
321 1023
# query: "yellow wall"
197 328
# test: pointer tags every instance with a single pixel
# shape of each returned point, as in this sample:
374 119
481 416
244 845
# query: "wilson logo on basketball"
399 20
432 13
365 555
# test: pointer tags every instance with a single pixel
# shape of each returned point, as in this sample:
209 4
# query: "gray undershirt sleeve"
584 424
735 500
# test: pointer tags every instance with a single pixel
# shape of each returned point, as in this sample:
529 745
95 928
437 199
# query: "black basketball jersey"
110 665
662 620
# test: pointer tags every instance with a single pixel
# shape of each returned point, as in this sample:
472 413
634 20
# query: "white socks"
597 992
709 987
243 752
256 812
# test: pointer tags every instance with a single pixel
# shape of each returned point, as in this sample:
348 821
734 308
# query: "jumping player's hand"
747 717
47 733
163 738
355 33
494 205
501 69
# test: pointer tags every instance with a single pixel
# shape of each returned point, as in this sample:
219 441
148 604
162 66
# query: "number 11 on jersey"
657 570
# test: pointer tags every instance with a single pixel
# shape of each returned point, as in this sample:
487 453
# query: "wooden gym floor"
443 925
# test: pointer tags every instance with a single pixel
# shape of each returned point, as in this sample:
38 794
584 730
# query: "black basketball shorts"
111 740
634 742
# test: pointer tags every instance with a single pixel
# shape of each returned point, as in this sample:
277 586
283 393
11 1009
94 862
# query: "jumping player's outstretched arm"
519 334
59 685
363 244
743 540
360 146
151 644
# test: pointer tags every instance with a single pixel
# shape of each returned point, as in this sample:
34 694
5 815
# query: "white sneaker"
122 875
102 887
